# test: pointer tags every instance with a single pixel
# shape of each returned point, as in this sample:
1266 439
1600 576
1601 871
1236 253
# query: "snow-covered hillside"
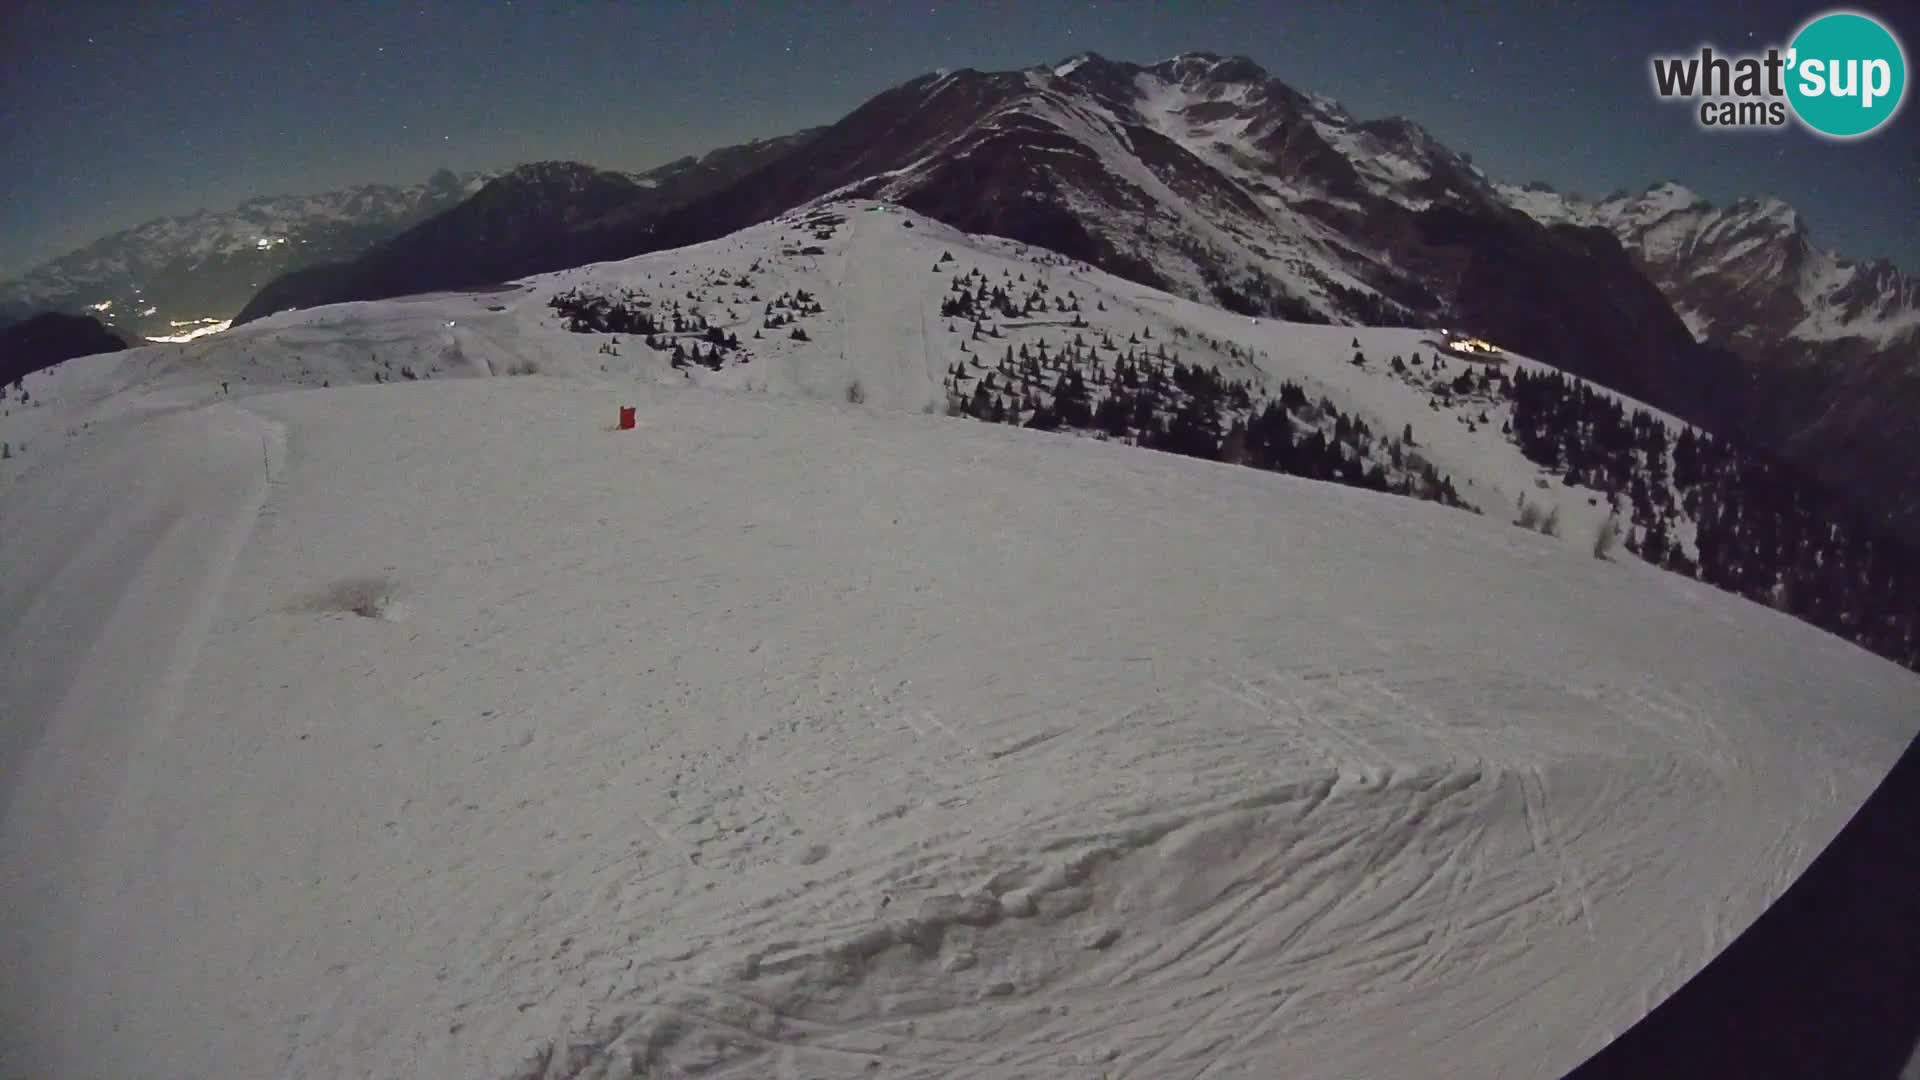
880 276
772 736
441 729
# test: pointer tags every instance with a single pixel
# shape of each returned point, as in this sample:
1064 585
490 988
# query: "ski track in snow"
774 739
146 532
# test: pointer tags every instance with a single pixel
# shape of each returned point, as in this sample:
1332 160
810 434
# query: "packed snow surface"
438 729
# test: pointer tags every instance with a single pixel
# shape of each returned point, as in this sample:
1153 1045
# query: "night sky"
112 113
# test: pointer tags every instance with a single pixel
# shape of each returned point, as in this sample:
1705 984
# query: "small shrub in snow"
528 367
367 597
1780 597
1606 539
1530 516
1540 519
856 394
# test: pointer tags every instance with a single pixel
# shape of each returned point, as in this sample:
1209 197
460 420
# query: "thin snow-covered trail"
781 738
117 558
885 339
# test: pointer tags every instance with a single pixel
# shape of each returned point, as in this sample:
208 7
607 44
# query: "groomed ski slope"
784 738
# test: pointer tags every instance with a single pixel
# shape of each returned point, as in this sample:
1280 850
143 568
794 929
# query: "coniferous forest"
1762 530
1136 390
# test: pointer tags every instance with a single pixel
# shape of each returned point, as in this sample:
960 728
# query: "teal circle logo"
1846 74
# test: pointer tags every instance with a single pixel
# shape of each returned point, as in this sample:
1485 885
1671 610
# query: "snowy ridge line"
883 322
882 319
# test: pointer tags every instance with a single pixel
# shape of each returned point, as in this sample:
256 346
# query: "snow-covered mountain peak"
1667 196
1744 273
1267 136
1770 211
1661 203
1205 69
561 176
1074 63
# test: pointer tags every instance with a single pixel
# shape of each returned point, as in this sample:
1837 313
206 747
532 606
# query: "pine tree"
982 404
1194 431
1233 449
1112 414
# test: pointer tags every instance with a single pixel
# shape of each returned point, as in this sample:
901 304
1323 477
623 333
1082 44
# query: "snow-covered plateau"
437 728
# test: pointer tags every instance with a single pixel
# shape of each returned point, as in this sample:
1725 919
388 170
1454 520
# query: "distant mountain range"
1203 175
538 217
177 273
1743 274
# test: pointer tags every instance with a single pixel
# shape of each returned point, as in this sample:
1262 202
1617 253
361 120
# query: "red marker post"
626 418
